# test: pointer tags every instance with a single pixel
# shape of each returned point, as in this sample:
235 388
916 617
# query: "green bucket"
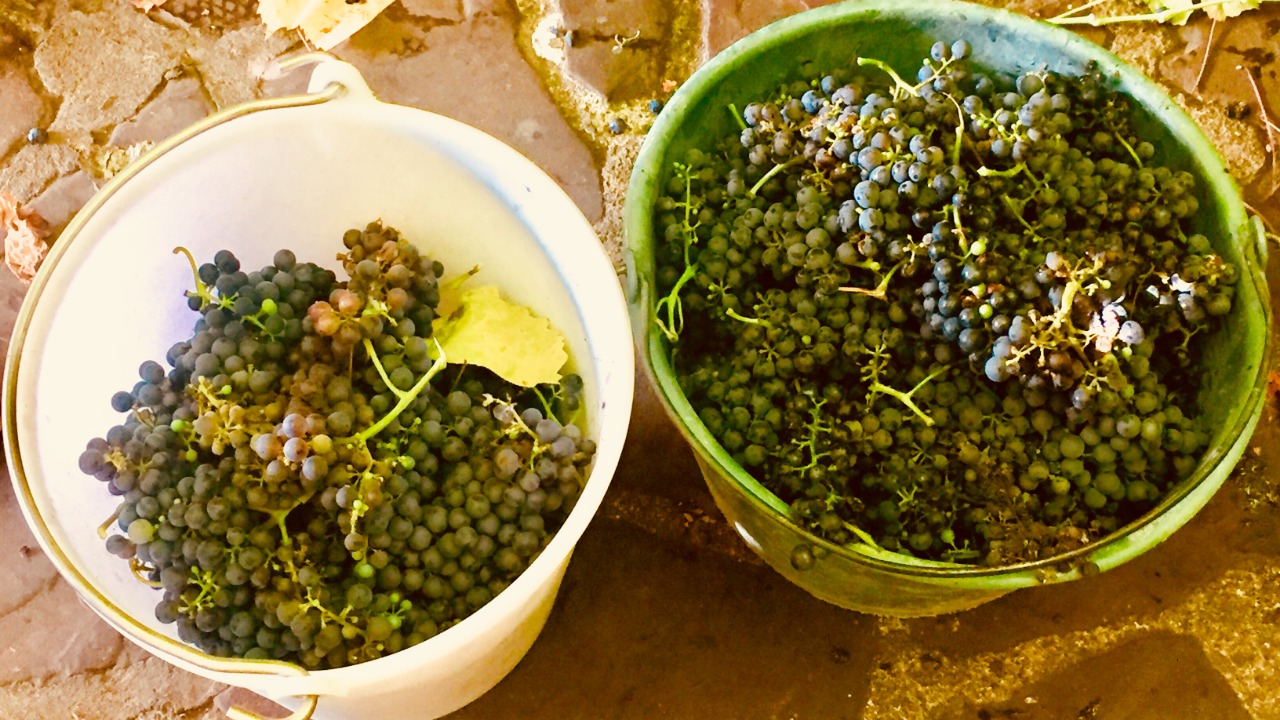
901 32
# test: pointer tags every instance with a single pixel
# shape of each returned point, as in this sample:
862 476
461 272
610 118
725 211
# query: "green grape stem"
773 171
674 324
406 398
742 124
204 580
862 534
202 291
985 171
750 321
1127 146
815 428
546 404
879 291
899 84
905 397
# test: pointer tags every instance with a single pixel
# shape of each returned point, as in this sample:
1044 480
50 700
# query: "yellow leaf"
324 23
509 339
451 293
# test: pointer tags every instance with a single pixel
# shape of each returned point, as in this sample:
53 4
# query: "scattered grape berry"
950 317
308 481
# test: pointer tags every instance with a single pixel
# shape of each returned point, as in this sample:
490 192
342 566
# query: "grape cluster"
949 317
297 487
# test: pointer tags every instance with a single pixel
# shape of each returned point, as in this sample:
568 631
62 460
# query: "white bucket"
110 296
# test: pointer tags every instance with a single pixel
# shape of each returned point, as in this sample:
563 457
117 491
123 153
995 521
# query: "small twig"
620 41
1268 124
1204 61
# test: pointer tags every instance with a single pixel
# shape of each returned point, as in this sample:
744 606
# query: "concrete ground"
663 613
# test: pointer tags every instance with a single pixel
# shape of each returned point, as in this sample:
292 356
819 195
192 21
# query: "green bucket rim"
1105 552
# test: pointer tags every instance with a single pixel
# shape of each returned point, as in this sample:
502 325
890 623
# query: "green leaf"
482 328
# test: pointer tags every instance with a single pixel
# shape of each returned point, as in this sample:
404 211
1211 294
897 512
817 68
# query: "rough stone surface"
29 656
133 55
21 108
231 66
64 198
663 612
34 167
619 72
1168 675
179 103
445 10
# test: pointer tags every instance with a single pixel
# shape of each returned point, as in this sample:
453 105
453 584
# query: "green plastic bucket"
1003 43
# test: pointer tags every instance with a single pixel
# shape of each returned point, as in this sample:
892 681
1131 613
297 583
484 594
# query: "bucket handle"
302 713
331 80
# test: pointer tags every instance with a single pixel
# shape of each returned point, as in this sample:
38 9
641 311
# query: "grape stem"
406 398
985 171
815 428
675 309
905 397
879 292
742 124
202 290
900 85
769 175
382 371
750 321
862 534
1127 146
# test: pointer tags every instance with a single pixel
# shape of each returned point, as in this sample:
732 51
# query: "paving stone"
1246 41
34 167
64 198
85 642
446 10
495 91
24 566
132 55
726 21
1161 674
707 637
618 72
21 108
232 65
606 19
180 103
147 689
616 47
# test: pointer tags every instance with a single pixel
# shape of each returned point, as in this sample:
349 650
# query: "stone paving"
663 613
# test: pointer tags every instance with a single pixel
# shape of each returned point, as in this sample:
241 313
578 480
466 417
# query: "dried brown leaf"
25 231
148 5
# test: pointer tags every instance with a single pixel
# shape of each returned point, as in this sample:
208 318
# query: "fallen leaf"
25 231
487 330
324 23
1273 385
148 5
1216 9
